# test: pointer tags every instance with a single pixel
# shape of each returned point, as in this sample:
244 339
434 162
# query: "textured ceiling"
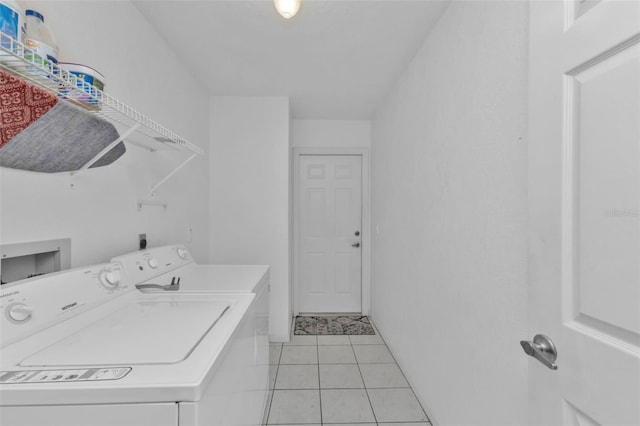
336 59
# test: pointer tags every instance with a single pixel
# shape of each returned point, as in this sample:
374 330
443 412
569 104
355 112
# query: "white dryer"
159 265
84 347
154 270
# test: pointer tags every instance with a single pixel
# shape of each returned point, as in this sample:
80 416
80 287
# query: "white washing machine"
84 347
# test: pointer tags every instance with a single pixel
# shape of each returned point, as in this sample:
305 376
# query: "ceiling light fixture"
287 8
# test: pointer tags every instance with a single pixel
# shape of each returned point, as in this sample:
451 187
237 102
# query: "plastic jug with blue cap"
39 38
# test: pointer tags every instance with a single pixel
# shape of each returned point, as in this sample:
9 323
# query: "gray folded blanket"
63 139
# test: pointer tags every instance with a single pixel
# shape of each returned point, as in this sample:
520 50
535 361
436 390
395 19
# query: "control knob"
20 312
110 279
182 253
153 263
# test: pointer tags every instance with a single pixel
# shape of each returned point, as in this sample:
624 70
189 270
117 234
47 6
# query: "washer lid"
146 332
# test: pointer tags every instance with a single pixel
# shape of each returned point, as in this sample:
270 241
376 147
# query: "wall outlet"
142 241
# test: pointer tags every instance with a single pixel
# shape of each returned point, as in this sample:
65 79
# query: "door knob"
542 349
355 244
357 233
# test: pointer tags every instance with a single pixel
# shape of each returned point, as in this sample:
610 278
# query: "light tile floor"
338 381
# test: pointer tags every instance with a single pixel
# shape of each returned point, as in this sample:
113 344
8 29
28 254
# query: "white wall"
249 192
449 197
331 133
98 209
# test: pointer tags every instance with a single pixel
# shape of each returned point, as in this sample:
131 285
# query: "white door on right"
330 259
584 210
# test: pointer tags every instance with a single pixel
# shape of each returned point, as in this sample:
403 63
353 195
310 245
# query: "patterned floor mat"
333 324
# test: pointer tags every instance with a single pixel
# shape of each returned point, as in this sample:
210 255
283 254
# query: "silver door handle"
542 349
355 244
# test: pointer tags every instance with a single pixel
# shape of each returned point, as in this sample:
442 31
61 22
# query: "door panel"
330 197
343 219
584 210
315 272
606 111
316 206
343 262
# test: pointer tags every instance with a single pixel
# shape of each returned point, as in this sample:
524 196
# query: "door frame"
363 153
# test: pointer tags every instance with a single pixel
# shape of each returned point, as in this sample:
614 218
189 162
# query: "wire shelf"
22 61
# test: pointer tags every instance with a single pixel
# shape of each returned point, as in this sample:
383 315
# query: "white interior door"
584 204
330 208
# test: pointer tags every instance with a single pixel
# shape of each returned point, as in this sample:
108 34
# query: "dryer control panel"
30 305
143 266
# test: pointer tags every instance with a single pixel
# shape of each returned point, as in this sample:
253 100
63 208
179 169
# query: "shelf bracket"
173 172
107 149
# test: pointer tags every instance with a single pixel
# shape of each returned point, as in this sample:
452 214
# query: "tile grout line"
375 418
401 372
410 387
319 385
375 388
273 391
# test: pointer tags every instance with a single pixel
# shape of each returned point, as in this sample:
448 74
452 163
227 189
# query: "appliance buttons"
110 279
153 263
